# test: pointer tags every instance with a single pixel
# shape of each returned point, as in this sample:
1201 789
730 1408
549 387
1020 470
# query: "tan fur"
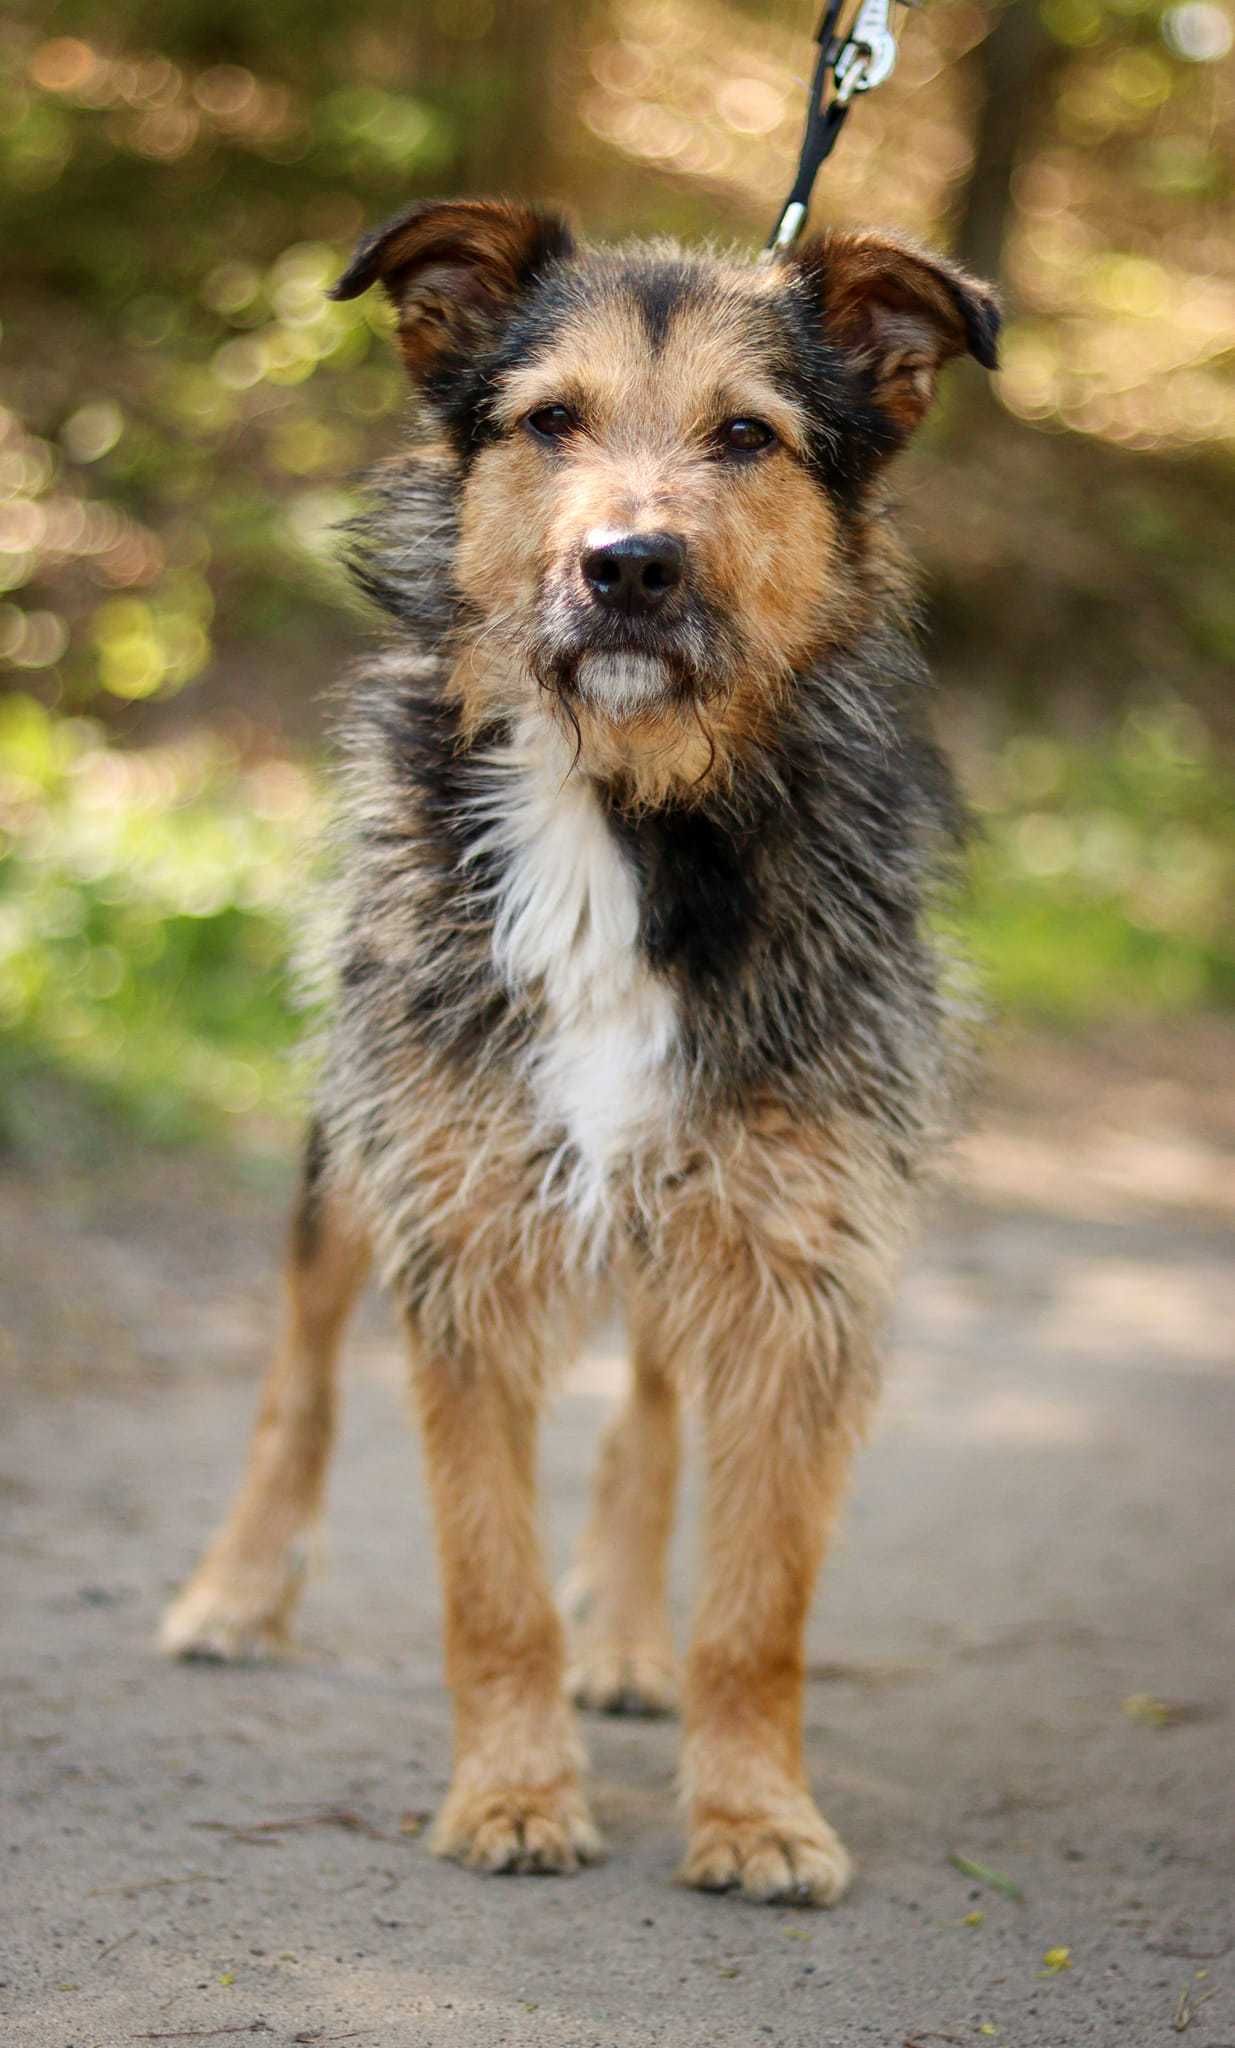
241 1597
771 1274
622 1654
515 1799
773 1497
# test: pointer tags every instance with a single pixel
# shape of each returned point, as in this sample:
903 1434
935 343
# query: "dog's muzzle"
625 629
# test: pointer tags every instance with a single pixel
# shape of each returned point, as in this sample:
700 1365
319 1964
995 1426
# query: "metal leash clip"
869 53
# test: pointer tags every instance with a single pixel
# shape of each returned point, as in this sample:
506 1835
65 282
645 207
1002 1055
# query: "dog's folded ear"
454 270
902 314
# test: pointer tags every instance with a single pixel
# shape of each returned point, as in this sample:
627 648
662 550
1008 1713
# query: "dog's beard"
616 683
621 685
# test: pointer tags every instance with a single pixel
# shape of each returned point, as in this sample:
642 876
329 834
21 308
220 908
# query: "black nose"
636 572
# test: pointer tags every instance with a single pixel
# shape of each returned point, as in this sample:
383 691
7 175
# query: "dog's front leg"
776 1470
516 1802
773 1274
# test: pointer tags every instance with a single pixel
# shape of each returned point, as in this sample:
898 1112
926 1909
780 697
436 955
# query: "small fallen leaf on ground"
987 2028
1152 1712
974 1919
1142 1706
1057 1959
411 1823
228 1977
983 1874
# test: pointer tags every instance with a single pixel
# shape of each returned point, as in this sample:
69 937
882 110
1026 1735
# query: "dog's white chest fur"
567 923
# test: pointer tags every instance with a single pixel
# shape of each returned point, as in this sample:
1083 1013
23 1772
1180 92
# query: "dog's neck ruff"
602 1063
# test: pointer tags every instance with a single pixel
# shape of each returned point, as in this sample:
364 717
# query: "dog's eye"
552 422
745 437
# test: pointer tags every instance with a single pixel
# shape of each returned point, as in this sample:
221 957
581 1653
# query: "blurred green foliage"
148 906
185 447
1103 877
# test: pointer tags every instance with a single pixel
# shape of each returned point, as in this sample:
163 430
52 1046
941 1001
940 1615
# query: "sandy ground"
1043 1534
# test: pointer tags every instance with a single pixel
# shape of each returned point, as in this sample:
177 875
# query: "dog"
637 992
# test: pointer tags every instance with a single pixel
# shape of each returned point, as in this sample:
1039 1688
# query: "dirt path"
1043 1532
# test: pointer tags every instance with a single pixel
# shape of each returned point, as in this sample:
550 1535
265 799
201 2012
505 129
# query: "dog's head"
666 458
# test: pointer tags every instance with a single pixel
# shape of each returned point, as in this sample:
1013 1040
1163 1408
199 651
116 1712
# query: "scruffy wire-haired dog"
634 990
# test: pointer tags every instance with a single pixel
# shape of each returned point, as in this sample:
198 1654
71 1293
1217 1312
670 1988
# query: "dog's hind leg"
621 1647
239 1601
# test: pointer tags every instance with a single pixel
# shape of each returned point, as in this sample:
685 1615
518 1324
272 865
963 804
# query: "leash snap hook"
869 54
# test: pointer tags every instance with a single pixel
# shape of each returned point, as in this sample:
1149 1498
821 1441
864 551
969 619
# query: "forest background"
185 417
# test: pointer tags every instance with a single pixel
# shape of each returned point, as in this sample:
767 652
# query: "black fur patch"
661 291
697 899
307 1216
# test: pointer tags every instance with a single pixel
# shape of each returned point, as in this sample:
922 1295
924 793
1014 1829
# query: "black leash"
850 63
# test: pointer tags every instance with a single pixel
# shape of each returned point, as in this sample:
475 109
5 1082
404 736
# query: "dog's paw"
788 1859
613 1679
542 1830
234 1619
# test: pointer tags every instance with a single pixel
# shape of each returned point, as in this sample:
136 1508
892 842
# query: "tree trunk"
1015 64
502 92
